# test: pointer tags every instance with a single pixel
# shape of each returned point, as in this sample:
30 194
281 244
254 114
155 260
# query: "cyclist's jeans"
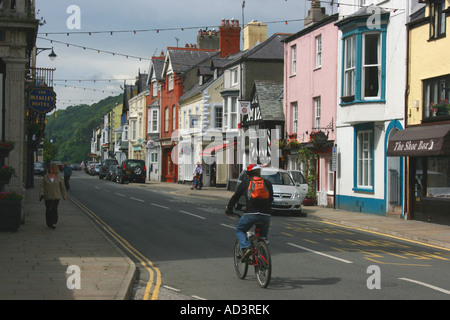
246 222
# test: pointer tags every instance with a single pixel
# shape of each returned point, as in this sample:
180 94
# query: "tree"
49 152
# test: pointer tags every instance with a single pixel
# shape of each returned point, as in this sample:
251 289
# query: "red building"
178 62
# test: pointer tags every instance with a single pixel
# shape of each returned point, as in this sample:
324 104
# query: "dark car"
105 165
110 172
115 173
39 168
132 170
75 167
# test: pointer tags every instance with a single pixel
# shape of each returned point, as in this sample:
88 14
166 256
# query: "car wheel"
296 213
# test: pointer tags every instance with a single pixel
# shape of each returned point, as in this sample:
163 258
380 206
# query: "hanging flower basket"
6 173
10 211
5 148
318 138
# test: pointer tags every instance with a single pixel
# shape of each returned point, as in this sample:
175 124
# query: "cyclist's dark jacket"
253 205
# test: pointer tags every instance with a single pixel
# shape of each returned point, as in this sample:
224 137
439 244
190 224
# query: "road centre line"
228 226
319 253
191 214
137 199
119 194
426 285
158 205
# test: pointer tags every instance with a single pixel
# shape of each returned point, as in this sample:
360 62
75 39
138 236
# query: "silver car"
288 193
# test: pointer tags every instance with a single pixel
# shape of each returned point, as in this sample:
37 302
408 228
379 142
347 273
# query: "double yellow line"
154 282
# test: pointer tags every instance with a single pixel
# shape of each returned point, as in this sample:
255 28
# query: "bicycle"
259 258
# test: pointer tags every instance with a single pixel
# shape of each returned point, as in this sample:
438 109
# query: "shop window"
438 177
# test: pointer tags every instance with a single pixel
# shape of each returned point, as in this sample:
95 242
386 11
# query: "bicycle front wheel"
263 266
240 267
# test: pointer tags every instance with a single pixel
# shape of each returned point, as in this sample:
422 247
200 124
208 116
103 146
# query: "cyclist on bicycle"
258 209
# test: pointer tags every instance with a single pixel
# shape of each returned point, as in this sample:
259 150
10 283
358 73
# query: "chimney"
315 14
208 39
254 32
229 37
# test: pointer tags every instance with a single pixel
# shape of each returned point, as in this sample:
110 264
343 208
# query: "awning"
432 140
209 151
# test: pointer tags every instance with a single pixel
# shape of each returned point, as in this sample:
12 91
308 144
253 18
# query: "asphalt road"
183 247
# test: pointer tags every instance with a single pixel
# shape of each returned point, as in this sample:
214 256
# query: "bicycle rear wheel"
263 267
240 267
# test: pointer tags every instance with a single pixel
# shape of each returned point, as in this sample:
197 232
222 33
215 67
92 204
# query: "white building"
370 104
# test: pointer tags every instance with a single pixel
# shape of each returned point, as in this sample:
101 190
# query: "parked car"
59 164
39 168
132 170
95 169
75 167
288 194
115 173
87 167
109 172
104 167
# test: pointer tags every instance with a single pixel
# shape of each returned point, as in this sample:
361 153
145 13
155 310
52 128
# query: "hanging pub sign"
245 106
42 99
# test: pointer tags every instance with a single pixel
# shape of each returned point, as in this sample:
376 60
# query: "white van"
288 194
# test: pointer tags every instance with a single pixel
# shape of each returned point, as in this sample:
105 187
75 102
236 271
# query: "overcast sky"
74 63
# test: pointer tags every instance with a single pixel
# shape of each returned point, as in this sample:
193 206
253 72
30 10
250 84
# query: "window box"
347 99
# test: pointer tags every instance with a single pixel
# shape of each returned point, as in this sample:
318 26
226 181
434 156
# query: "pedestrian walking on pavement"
67 174
52 189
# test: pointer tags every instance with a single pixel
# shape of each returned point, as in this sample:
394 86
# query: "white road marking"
170 288
137 199
319 253
426 285
119 194
158 205
228 226
191 214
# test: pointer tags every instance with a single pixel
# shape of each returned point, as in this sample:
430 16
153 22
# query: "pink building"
310 99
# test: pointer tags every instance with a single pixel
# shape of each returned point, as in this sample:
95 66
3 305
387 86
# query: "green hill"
71 130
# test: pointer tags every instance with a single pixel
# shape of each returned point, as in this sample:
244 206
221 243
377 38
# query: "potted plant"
440 109
5 148
308 157
10 210
5 174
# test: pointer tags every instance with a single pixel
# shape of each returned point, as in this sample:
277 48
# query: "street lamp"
52 54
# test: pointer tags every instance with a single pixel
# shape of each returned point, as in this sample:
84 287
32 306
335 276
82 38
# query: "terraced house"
370 107
425 141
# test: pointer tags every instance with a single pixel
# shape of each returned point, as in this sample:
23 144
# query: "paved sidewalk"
34 260
428 233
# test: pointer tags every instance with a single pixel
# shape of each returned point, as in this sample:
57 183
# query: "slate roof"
158 66
362 13
270 99
183 59
270 49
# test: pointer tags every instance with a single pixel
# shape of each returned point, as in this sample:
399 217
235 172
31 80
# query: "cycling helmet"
253 167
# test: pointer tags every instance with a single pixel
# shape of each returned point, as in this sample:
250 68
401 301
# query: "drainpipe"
407 203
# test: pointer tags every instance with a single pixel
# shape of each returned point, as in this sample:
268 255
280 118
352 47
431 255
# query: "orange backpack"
257 189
